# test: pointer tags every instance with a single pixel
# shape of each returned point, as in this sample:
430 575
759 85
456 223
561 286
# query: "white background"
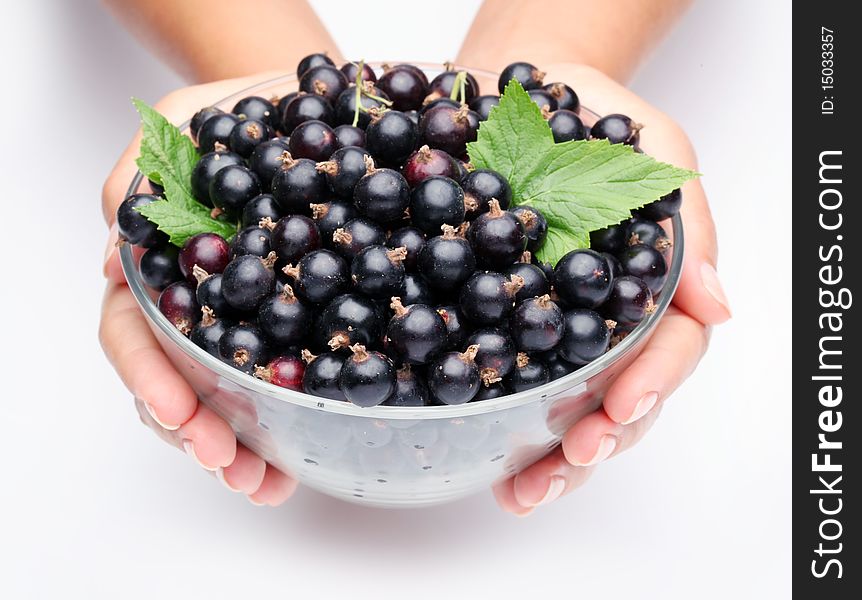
92 505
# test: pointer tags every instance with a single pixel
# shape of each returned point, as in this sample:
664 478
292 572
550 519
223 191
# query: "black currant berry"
415 290
263 206
442 86
416 332
293 237
285 371
496 356
534 278
248 135
209 251
319 276
427 162
179 304
482 105
321 375
200 117
410 238
439 102
535 226
436 201
630 301
323 80
647 263
255 108
216 130
454 377
480 186
557 366
643 231
205 170
134 227
253 240
498 237
345 168
348 135
524 73
207 333
583 278
351 70
448 128
489 392
378 271
330 216
391 137
586 337
367 378
663 208
242 347
537 324
266 160
284 319
617 129
528 374
410 389
456 325
406 87
565 96
357 234
282 106
159 267
298 184
611 239
488 298
544 100
370 97
349 319
313 60
382 195
247 280
566 125
614 263
305 107
209 294
233 187
446 261
312 139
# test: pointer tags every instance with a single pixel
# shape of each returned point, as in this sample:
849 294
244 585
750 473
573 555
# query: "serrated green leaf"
180 223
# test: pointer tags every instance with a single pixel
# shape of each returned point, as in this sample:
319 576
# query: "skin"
169 406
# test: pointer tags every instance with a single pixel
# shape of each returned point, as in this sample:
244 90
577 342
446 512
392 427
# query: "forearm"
614 36
206 40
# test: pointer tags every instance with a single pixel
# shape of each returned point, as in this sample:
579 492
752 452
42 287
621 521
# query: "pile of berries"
373 263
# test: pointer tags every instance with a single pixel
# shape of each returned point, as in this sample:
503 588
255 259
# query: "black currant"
348 135
298 184
367 377
557 366
415 290
617 129
565 96
266 160
614 263
544 100
583 278
378 271
369 97
586 337
446 261
647 263
216 130
255 108
319 276
209 294
200 117
345 168
410 389
537 324
321 375
416 332
313 60
410 238
205 170
159 267
382 195
391 137
534 278
349 319
207 333
448 128
209 251
443 84
180 306
498 237
233 187
263 206
253 240
488 298
439 102
351 70
630 301
247 280
330 216
323 80
436 201
496 356
663 208
312 139
524 73
293 237
456 325
134 227
427 162
611 239
566 125
480 186
535 225
482 105
643 231
305 107
406 87
248 135
282 105
489 392
243 346
357 234
284 319
285 371
528 374
454 377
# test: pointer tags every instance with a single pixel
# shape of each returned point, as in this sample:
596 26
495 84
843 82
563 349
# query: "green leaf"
579 186
168 157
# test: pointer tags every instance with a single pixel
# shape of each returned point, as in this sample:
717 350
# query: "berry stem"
611 324
469 355
397 255
266 223
544 301
490 376
338 341
341 236
199 274
269 261
458 86
526 257
208 316
494 209
307 356
514 285
287 294
358 83
522 360
318 211
359 352
264 373
329 167
291 271
396 306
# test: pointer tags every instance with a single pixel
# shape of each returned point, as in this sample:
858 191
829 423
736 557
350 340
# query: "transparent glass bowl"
392 456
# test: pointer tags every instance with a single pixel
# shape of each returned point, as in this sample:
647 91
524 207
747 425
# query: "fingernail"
155 417
556 485
219 473
111 247
524 513
709 276
606 446
189 447
255 502
643 406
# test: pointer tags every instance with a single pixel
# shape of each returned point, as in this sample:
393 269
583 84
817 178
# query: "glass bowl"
393 456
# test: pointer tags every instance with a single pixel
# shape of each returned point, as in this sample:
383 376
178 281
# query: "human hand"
634 401
164 400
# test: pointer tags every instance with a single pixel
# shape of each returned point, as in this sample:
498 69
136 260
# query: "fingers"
245 474
138 359
275 489
669 357
208 439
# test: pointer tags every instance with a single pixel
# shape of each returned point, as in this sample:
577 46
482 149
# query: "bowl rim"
576 379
